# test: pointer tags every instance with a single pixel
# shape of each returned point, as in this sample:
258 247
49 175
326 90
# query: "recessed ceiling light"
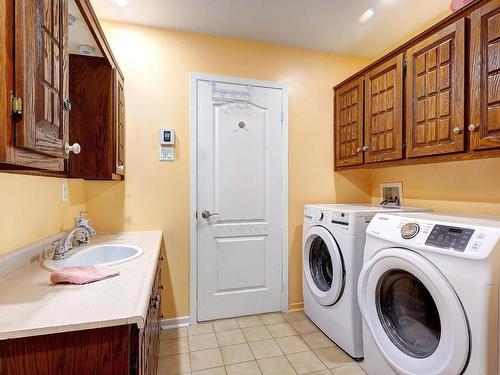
369 13
122 3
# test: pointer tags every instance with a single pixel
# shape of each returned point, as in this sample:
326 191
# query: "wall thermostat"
167 136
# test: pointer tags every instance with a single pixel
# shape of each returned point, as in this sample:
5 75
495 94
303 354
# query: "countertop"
31 306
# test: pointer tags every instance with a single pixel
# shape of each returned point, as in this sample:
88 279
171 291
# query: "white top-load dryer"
429 295
332 256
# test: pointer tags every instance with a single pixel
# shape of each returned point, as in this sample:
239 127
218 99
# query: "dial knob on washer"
409 230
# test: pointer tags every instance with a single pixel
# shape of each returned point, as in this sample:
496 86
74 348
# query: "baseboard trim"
296 306
182 321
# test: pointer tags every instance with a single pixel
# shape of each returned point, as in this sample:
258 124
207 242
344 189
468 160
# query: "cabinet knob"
457 130
358 150
120 168
74 148
473 127
162 287
364 148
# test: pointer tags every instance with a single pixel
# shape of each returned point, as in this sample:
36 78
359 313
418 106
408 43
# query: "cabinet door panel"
435 93
349 124
119 125
384 111
42 75
485 77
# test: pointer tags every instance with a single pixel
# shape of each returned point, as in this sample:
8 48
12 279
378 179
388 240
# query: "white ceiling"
79 32
324 25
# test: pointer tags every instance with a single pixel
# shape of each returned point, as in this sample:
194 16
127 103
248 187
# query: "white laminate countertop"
31 306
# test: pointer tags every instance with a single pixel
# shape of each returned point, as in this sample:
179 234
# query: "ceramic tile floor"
265 344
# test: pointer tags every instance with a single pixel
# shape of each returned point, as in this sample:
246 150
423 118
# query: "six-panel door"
384 111
435 93
349 124
41 46
484 126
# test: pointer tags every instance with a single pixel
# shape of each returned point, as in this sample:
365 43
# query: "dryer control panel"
448 237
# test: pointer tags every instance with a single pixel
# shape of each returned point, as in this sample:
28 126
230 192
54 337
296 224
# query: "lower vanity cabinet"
117 350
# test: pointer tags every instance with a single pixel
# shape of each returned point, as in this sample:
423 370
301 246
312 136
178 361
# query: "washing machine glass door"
323 265
413 314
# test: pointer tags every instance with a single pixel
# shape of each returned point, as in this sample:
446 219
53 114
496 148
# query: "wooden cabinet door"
435 93
485 77
119 124
384 111
41 74
349 124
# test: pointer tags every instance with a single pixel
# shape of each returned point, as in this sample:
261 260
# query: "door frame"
193 183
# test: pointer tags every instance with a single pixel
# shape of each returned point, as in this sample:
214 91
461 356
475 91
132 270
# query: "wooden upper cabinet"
435 93
41 75
485 77
349 124
119 124
384 111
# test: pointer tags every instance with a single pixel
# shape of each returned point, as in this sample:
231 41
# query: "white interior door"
239 183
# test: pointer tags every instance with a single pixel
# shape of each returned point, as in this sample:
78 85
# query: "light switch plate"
64 192
167 153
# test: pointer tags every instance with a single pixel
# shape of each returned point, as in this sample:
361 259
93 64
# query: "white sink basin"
106 254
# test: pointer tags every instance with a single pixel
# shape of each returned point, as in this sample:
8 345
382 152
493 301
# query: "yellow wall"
471 187
31 208
155 195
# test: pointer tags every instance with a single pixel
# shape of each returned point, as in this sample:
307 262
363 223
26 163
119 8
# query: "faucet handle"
56 243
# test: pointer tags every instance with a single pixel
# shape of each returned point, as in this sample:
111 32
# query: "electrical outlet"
64 192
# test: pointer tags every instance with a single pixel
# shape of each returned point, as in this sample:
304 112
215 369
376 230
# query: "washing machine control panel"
449 237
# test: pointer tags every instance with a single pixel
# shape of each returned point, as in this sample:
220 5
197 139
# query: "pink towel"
82 274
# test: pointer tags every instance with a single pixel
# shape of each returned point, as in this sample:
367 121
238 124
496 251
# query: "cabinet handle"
364 148
457 130
120 168
75 148
155 304
473 127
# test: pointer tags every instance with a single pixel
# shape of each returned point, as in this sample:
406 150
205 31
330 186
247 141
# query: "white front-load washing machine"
429 295
332 256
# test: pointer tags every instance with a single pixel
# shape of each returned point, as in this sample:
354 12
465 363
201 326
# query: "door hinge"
16 104
405 64
404 146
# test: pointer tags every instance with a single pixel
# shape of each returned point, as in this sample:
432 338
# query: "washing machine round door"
323 265
413 314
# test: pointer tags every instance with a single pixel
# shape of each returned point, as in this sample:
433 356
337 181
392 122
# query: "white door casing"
451 353
239 143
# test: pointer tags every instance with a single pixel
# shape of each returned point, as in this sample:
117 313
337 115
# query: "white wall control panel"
167 153
167 136
64 192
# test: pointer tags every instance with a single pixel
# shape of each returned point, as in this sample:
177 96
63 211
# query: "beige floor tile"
348 370
173 332
295 315
211 371
276 366
272 318
317 340
174 346
246 368
305 362
225 324
334 357
249 321
321 372
230 337
174 364
205 359
202 342
292 344
265 349
304 326
362 365
281 330
256 333
236 354
200 329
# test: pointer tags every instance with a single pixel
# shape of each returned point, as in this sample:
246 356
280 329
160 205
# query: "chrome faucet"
78 236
